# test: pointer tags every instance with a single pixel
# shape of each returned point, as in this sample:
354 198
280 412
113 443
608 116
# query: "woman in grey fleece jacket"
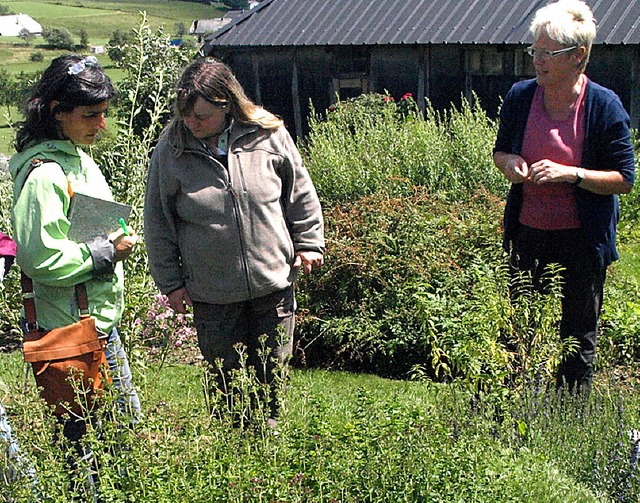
230 216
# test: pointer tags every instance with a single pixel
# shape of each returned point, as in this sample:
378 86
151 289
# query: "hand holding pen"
123 241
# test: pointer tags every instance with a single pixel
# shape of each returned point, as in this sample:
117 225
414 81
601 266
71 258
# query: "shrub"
372 144
10 293
152 66
58 38
415 281
394 281
36 56
117 44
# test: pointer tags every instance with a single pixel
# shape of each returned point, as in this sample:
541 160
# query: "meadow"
401 388
101 18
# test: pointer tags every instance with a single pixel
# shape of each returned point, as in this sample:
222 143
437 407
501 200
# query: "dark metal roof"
407 22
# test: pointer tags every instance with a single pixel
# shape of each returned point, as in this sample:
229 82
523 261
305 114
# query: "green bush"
10 294
372 144
146 91
58 38
415 280
394 280
152 68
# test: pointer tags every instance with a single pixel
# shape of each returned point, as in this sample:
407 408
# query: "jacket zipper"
236 211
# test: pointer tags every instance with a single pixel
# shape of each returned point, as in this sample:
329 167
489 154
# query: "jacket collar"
55 150
236 131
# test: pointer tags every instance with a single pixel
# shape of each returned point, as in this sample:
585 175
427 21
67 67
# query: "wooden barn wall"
396 70
443 73
611 67
315 73
266 78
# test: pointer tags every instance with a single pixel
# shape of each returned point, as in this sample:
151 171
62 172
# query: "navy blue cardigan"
607 146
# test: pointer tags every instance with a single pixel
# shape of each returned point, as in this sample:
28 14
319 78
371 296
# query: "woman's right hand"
514 167
123 244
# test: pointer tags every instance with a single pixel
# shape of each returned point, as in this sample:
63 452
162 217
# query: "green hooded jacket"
45 253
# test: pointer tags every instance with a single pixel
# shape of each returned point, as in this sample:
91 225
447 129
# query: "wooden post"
295 95
255 65
423 78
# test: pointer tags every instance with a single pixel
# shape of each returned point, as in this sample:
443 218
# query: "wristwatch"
579 176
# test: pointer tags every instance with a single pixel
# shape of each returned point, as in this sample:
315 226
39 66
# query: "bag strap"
28 296
28 301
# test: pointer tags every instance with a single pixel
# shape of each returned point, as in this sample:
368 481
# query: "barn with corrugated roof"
288 52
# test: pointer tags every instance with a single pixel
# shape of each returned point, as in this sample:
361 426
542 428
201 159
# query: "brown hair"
214 81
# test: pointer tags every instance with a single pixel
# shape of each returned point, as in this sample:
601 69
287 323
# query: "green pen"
123 224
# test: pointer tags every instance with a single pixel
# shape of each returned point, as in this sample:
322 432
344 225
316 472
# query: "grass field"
100 19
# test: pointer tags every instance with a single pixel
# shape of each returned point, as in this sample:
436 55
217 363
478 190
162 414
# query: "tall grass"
345 438
372 144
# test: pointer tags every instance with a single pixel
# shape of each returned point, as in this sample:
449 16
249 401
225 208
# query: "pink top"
552 206
7 246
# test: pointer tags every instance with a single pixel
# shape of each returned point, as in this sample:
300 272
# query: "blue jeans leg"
10 456
128 400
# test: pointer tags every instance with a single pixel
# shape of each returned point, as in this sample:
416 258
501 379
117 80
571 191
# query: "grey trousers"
221 327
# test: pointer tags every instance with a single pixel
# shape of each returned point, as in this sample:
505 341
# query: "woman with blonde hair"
230 215
564 143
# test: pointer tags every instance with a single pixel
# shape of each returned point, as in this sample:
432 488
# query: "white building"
12 25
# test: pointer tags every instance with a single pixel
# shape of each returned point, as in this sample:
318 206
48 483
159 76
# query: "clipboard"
91 217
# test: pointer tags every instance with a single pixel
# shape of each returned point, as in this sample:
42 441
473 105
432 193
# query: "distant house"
14 24
97 49
288 52
203 27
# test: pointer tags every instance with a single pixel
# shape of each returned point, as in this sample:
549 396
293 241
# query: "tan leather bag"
69 363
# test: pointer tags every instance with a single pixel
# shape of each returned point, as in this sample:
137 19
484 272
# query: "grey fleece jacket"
230 234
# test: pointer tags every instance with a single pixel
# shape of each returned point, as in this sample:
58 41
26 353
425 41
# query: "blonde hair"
214 81
568 22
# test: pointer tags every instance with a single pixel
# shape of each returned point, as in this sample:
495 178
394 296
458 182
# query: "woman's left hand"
308 260
546 171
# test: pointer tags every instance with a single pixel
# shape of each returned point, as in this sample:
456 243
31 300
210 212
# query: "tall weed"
372 144
152 67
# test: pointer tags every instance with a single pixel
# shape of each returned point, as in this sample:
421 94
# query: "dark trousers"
221 327
582 290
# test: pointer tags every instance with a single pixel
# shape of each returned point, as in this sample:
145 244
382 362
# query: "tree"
181 29
236 4
139 88
118 43
7 89
58 38
84 39
26 36
4 10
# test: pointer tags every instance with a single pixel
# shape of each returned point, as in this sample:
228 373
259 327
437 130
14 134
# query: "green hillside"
101 18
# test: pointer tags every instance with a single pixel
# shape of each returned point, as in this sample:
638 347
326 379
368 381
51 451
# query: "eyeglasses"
544 54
